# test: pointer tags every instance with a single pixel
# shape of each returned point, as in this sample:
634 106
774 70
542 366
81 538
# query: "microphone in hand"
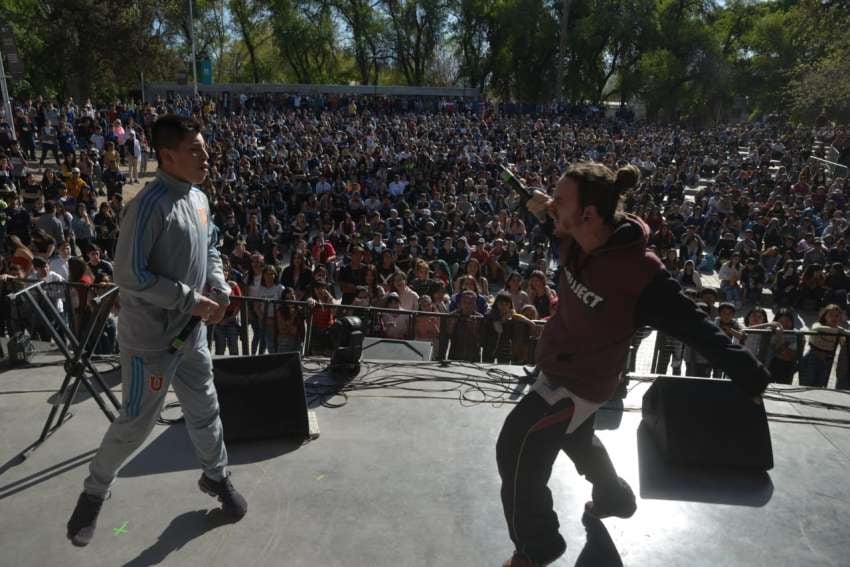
532 199
522 190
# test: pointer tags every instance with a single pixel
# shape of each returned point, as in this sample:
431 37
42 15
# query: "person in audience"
756 343
267 292
837 285
81 294
96 264
816 364
353 275
472 268
395 325
427 328
59 260
324 316
469 283
544 299
19 254
513 285
753 280
812 287
291 327
689 277
464 329
106 226
421 281
730 279
786 285
297 275
83 229
784 348
409 299
227 331
506 333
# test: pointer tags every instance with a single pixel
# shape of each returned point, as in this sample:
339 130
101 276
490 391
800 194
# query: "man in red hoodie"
610 285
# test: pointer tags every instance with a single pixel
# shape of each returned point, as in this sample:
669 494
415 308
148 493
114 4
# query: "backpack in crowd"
20 348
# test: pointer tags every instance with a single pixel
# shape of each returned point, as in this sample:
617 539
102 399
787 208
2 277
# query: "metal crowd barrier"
372 317
250 333
664 348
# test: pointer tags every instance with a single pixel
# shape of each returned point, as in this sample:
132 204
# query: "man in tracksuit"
165 260
610 285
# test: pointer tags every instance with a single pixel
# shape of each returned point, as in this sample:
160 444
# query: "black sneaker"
615 499
84 519
232 503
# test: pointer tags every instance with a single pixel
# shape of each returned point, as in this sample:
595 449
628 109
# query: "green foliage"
471 21
692 60
523 42
415 29
306 41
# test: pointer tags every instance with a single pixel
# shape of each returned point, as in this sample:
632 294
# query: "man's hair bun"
626 178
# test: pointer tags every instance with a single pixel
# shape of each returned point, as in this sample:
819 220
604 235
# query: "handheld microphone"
178 342
523 191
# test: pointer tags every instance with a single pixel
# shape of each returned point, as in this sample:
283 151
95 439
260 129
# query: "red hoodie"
585 344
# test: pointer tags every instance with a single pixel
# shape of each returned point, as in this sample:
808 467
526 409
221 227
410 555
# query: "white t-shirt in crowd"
263 292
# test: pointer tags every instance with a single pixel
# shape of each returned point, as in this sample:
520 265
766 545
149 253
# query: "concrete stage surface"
404 477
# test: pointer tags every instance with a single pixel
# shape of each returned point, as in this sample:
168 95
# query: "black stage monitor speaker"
262 397
706 422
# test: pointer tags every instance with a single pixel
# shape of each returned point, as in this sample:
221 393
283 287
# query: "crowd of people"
399 203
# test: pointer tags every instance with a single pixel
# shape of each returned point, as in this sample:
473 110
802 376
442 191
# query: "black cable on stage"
497 386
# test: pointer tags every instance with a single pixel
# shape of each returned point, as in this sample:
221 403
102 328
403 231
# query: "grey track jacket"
164 258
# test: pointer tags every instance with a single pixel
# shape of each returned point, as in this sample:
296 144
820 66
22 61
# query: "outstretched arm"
662 305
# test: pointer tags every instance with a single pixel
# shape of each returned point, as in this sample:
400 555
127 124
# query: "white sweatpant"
144 387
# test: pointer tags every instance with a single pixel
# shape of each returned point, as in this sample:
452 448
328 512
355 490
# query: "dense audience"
398 203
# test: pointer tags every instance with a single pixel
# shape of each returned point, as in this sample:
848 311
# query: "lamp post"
7 105
562 49
192 38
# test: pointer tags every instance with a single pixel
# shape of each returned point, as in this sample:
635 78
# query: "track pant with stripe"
533 434
144 386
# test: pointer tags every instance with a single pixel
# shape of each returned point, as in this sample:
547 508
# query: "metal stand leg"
78 365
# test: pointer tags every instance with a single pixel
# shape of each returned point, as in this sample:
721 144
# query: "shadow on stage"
180 531
659 480
173 451
599 549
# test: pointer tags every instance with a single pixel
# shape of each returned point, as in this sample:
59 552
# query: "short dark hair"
170 130
726 306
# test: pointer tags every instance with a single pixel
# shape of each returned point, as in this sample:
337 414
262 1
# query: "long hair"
77 268
603 188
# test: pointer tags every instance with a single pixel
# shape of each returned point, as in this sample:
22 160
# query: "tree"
367 30
306 39
820 80
523 43
471 22
416 28
103 45
250 20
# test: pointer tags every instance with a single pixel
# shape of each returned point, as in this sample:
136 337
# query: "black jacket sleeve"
662 305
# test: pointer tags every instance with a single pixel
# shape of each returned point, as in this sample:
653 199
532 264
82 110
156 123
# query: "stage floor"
397 481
